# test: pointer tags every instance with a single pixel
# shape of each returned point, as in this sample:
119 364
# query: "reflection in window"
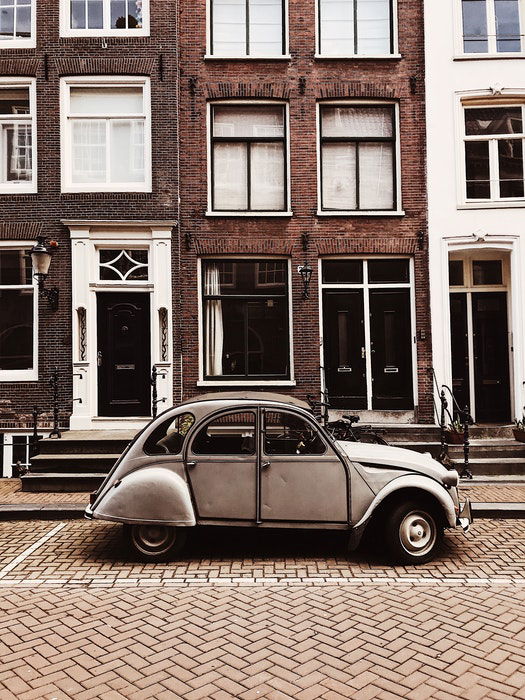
168 437
487 272
15 20
106 14
455 273
355 27
289 434
16 136
491 26
229 434
16 311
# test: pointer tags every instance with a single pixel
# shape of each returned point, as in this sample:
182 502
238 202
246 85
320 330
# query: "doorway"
123 354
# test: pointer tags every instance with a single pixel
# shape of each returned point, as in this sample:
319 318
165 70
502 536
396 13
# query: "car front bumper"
465 516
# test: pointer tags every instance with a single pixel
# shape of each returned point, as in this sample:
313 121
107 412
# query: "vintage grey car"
262 460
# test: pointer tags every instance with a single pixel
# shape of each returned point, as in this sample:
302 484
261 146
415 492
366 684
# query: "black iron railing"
155 374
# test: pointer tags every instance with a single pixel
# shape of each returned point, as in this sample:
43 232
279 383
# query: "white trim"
358 102
24 375
23 187
209 127
372 57
87 238
66 31
284 57
249 382
65 130
23 43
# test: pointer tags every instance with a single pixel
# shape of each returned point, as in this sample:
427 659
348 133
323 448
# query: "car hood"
396 457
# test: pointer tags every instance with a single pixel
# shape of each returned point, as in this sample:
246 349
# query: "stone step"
62 482
50 446
79 463
487 466
478 448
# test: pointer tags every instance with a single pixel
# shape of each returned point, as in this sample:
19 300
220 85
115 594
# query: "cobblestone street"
264 614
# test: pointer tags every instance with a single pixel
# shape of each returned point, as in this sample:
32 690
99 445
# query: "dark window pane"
455 273
388 271
20 450
475 38
123 264
267 337
493 120
477 169
14 101
230 434
15 267
118 14
16 329
288 434
510 154
168 438
487 272
508 25
242 278
345 271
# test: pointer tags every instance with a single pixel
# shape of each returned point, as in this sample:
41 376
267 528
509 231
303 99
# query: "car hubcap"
417 533
154 537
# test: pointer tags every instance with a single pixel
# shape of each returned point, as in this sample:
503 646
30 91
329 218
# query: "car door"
221 464
302 478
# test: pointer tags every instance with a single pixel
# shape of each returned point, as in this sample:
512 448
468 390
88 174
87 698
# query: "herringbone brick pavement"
276 642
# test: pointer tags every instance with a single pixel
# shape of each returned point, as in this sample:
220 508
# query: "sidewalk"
491 498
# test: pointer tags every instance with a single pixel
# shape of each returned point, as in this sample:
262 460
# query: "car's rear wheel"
155 542
413 533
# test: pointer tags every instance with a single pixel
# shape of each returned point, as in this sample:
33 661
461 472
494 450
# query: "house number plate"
124 366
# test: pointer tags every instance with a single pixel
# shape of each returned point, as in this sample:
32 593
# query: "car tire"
155 542
413 532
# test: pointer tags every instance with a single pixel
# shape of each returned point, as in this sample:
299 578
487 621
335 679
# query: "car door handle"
265 465
191 464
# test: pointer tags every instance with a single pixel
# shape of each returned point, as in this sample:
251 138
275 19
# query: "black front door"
344 349
491 356
460 353
391 347
123 356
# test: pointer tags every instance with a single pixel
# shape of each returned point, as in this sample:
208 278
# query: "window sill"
249 213
388 212
282 57
18 189
18 44
486 56
493 205
70 189
21 375
248 382
359 57
88 33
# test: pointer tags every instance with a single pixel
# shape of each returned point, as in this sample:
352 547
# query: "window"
355 27
123 265
455 273
358 158
247 28
288 434
105 17
491 26
15 451
487 272
494 152
168 437
17 137
246 330
249 158
229 434
18 315
106 144
17 24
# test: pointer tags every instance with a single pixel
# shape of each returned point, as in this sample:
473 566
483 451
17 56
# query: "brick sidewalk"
11 493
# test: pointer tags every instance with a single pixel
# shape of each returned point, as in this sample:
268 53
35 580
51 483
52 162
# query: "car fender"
152 495
417 482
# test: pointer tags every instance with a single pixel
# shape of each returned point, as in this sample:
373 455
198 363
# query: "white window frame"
29 43
65 23
483 98
492 51
244 382
243 57
394 33
252 103
23 375
6 445
397 153
66 160
23 186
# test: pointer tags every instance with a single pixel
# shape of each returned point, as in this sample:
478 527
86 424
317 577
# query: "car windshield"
168 437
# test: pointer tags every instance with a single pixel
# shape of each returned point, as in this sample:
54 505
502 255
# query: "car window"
229 434
168 437
289 434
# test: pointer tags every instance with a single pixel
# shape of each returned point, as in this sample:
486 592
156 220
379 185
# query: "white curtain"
214 325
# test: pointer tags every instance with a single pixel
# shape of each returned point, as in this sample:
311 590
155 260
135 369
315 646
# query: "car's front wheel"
155 542
413 533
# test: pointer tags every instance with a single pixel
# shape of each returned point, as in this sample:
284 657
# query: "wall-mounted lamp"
306 275
41 255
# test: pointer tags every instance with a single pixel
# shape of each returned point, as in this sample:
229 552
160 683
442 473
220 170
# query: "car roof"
247 396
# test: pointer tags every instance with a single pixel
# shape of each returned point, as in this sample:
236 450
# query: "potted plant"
454 434
519 429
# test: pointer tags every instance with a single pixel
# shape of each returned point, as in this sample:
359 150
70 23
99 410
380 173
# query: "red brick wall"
205 80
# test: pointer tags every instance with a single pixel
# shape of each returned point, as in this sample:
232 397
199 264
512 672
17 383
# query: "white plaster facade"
482 229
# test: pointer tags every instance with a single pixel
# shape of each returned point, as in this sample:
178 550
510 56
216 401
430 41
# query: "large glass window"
247 27
17 313
107 138
229 434
16 137
130 17
248 158
355 27
289 434
16 23
357 158
494 152
246 332
491 26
